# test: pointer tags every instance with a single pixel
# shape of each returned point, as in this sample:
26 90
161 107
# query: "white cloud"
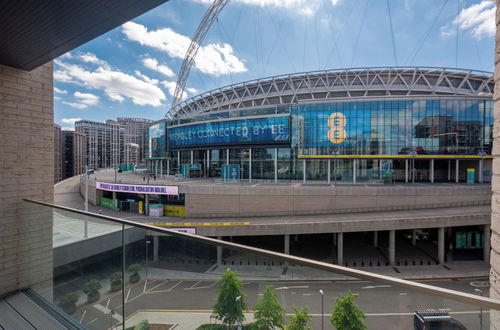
192 90
70 121
92 58
66 56
67 128
170 86
87 98
75 105
60 91
116 85
478 18
215 59
146 78
152 64
304 7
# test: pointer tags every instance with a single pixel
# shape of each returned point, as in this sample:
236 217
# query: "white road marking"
126 298
293 287
91 321
201 287
145 285
306 294
158 285
108 302
376 286
402 293
480 284
106 311
83 315
168 290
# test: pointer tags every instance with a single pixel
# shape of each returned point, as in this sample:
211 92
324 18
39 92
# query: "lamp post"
147 256
480 309
237 300
322 300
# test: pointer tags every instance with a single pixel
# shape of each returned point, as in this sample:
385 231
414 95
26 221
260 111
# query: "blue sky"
131 71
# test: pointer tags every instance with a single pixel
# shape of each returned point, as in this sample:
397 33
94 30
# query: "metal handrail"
463 297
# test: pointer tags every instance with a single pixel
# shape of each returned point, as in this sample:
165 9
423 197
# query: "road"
386 307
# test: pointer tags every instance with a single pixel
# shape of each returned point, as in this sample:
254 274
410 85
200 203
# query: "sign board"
231 132
141 211
138 188
230 172
187 230
471 175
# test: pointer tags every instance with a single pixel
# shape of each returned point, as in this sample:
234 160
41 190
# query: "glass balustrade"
108 273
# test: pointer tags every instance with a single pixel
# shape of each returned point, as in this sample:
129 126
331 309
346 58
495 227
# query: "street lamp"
238 299
322 300
480 309
147 256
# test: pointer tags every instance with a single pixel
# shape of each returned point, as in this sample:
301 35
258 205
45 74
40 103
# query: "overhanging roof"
34 32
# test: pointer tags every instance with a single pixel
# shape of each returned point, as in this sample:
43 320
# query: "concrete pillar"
114 198
481 170
449 170
328 174
392 247
208 164
168 167
406 170
219 252
354 167
340 248
156 248
441 245
227 156
335 239
413 237
286 244
161 168
486 243
192 156
457 166
146 204
304 173
275 165
178 161
249 166
432 170
375 238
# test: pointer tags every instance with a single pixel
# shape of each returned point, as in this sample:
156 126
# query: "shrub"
116 281
68 302
91 288
143 325
212 327
134 273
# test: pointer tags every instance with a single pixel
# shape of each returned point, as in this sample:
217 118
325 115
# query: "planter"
116 286
93 297
134 278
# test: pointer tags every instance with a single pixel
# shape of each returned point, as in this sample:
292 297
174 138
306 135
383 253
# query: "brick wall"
26 171
495 201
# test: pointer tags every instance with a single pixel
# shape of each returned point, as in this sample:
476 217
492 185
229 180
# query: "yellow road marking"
197 224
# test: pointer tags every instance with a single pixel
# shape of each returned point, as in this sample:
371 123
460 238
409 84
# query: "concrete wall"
495 201
27 171
240 201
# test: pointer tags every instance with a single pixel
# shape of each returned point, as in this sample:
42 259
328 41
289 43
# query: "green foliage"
231 300
347 315
269 313
68 299
299 320
116 278
134 268
143 325
212 327
92 287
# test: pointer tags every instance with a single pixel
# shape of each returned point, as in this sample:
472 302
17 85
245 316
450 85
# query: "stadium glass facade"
379 140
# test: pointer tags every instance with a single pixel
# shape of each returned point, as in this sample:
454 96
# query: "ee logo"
337 132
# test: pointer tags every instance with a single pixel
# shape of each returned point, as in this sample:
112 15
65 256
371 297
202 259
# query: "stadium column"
114 198
375 238
413 237
304 171
168 167
449 170
431 163
227 156
486 243
146 204
178 161
406 170
250 165
481 170
354 166
219 252
340 248
275 165
156 247
192 156
328 174
207 164
287 244
441 245
457 167
392 247
161 168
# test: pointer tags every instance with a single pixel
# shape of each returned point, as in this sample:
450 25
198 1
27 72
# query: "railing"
111 272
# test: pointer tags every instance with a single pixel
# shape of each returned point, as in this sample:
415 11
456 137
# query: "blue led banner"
257 130
336 128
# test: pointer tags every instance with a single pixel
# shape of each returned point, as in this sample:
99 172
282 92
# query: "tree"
299 320
347 315
231 300
269 313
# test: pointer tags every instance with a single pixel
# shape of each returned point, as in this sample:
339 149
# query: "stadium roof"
320 86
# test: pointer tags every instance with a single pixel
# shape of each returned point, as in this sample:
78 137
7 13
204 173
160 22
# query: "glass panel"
174 280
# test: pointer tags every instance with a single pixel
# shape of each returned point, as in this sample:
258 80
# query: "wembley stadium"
379 125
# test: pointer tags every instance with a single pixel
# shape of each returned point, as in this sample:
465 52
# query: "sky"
132 70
